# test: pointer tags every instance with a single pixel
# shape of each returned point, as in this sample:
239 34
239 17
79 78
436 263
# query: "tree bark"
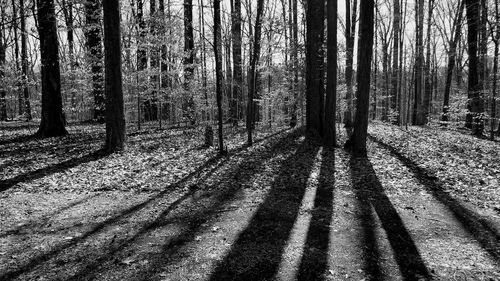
295 62
95 56
457 23
315 14
254 61
115 118
24 62
418 110
3 49
52 118
236 103
331 84
350 29
427 74
218 70
365 51
475 106
188 61
395 59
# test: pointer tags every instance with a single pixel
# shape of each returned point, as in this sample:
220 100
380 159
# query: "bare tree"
218 69
331 84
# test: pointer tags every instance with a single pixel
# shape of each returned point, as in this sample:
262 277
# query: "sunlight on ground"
291 258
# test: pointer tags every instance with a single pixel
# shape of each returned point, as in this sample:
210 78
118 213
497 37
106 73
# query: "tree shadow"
371 195
314 263
193 217
104 255
257 252
45 218
59 167
478 227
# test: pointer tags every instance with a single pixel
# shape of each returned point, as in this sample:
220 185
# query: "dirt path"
285 209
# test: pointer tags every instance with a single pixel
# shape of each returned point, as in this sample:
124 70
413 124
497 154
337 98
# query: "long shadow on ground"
193 216
59 167
257 252
314 263
88 269
371 194
478 227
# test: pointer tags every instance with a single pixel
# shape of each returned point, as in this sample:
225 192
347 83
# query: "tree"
218 69
495 34
24 62
53 121
452 54
331 84
315 14
395 58
350 35
237 60
252 75
427 67
95 56
115 118
475 106
418 111
294 35
3 49
188 60
365 52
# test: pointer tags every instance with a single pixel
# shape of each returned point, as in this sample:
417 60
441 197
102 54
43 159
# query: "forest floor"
424 205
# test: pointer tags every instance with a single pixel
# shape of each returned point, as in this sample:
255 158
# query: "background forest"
419 72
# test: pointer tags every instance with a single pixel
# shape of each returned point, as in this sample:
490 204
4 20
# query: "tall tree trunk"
331 84
24 62
95 56
3 49
15 27
350 29
365 51
496 40
188 61
154 61
418 110
294 35
204 61
53 121
474 119
315 15
427 74
254 61
67 8
218 70
452 54
115 118
142 60
237 61
395 59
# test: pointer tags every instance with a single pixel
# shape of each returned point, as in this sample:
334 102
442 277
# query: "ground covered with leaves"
424 205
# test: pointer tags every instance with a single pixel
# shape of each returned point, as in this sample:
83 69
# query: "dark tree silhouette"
218 69
365 53
115 118
331 84
53 121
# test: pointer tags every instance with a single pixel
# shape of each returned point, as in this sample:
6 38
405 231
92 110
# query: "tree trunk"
365 51
95 56
457 23
16 53
474 119
496 41
3 49
331 84
395 59
236 103
254 61
115 118
427 70
418 110
350 29
295 62
218 69
188 61
315 14
142 61
53 121
24 62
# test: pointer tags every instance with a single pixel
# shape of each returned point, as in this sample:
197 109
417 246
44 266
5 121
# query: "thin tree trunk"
188 61
3 49
395 58
427 70
418 111
237 101
496 40
218 69
24 62
295 62
115 118
350 40
331 85
52 123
